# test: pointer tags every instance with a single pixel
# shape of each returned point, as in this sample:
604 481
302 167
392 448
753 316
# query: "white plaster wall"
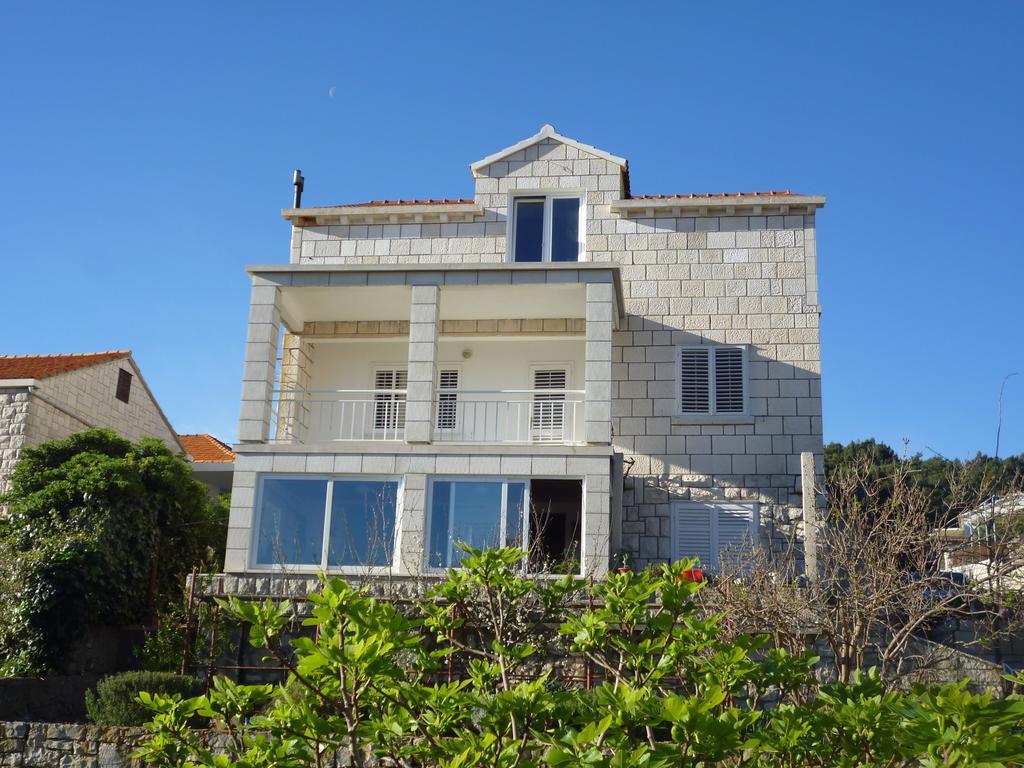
494 364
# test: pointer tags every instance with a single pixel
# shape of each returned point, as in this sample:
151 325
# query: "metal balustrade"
510 416
330 415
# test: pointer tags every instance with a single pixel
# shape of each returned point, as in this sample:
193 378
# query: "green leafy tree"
371 686
98 530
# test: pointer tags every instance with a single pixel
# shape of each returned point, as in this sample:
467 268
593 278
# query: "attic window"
546 228
124 386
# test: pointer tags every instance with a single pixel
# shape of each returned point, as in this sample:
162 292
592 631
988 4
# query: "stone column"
260 363
293 407
598 378
810 511
423 330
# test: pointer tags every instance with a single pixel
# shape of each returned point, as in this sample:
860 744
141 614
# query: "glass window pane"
291 530
514 525
529 235
565 229
477 518
439 506
362 522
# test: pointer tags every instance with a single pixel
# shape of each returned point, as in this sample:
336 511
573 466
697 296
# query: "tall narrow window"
712 380
124 386
546 228
389 407
548 414
447 398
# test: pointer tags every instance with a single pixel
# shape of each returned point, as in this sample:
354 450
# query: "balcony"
498 417
502 354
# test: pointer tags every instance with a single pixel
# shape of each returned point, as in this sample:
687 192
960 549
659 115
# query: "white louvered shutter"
729 380
548 416
735 532
447 402
694 377
389 408
692 533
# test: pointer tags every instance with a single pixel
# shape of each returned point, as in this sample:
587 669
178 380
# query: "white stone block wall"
14 405
687 279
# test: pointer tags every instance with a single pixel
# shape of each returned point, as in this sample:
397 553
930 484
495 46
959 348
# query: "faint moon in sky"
332 90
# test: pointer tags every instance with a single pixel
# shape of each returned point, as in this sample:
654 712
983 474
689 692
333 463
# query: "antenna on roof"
298 182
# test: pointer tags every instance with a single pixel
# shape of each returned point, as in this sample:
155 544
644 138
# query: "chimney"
297 181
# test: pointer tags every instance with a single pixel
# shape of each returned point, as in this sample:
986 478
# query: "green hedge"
114 702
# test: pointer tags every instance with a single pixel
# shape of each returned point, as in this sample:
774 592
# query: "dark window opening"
556 522
124 386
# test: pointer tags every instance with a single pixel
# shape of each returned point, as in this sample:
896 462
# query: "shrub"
116 699
98 530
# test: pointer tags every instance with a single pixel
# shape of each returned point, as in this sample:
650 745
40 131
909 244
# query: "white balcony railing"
330 415
522 416
526 416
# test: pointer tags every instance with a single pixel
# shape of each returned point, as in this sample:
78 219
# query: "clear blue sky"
146 150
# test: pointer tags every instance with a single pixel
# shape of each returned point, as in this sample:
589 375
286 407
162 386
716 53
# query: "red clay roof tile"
206 449
41 366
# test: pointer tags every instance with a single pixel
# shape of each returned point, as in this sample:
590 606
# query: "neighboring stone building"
46 397
213 462
556 363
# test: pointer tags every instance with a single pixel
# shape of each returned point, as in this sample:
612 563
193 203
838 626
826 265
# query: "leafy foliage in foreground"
669 693
99 530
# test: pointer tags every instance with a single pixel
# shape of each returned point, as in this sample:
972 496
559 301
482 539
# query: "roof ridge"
68 354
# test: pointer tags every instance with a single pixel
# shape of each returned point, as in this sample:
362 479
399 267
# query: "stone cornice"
444 213
755 205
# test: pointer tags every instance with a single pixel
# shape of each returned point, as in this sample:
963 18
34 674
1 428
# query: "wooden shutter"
691 533
124 386
548 416
388 408
729 380
694 377
447 402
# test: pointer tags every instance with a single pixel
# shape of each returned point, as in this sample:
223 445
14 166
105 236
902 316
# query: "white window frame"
255 565
566 411
438 391
712 411
713 509
545 250
397 412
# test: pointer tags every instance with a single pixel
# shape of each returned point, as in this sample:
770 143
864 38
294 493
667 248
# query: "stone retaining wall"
46 745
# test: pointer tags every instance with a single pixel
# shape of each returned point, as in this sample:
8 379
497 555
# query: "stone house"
555 363
47 397
212 461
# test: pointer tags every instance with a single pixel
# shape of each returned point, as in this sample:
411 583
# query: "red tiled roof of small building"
206 449
41 366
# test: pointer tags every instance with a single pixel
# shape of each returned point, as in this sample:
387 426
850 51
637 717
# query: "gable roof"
547 131
42 366
206 449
